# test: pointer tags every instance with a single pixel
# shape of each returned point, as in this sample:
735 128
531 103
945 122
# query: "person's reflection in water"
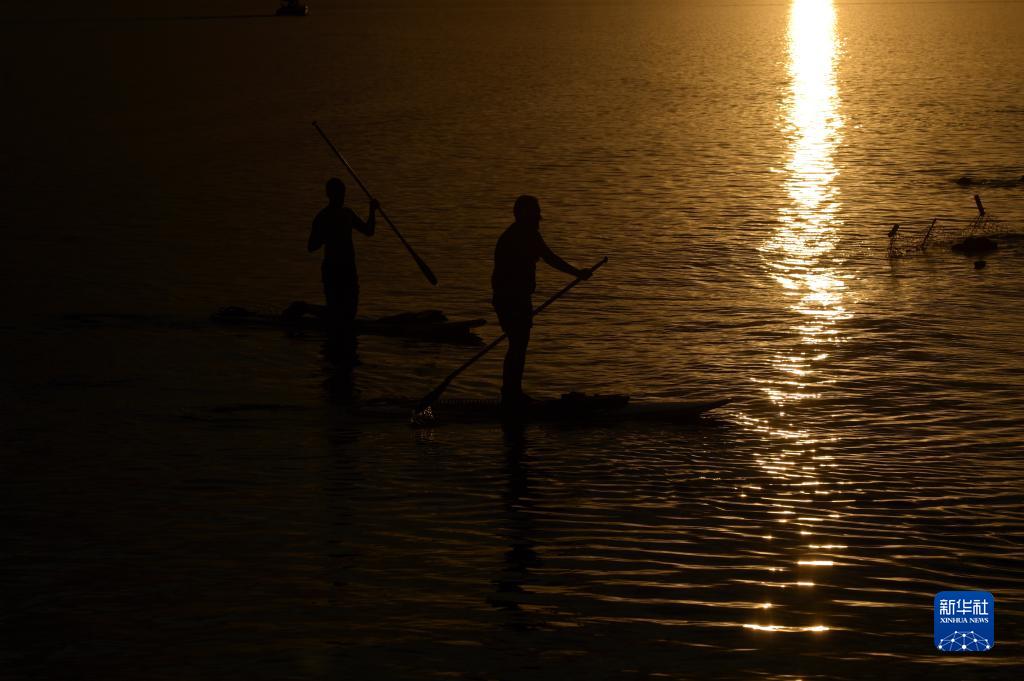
340 355
340 360
520 558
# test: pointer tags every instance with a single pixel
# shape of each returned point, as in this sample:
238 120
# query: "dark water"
186 500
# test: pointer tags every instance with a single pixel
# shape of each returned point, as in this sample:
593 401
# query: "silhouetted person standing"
513 282
332 229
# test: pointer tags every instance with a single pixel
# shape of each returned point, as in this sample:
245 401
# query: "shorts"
515 314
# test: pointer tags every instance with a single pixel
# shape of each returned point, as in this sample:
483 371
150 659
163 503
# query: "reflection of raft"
569 408
429 325
292 9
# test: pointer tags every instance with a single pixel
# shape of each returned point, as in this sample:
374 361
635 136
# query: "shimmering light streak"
801 252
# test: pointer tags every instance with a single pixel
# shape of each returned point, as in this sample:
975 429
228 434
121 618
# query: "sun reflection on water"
800 254
801 258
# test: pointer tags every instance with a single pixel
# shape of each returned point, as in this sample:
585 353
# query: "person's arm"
370 226
548 256
316 235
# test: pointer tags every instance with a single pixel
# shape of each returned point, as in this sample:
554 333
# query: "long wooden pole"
424 268
434 394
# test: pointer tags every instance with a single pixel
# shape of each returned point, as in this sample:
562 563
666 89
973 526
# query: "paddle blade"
424 268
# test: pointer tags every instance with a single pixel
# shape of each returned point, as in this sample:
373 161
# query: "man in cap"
513 282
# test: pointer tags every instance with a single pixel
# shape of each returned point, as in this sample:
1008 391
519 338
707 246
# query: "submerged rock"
973 245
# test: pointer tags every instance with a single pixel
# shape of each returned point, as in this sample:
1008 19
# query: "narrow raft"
569 408
427 325
289 8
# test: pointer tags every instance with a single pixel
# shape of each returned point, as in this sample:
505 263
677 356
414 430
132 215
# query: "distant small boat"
289 8
970 181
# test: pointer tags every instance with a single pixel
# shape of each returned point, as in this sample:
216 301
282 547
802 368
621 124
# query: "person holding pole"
513 282
332 230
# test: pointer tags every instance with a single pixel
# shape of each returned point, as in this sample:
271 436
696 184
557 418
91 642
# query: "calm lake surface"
186 500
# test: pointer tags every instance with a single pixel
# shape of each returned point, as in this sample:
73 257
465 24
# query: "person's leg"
342 297
345 321
515 365
516 318
328 279
351 305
